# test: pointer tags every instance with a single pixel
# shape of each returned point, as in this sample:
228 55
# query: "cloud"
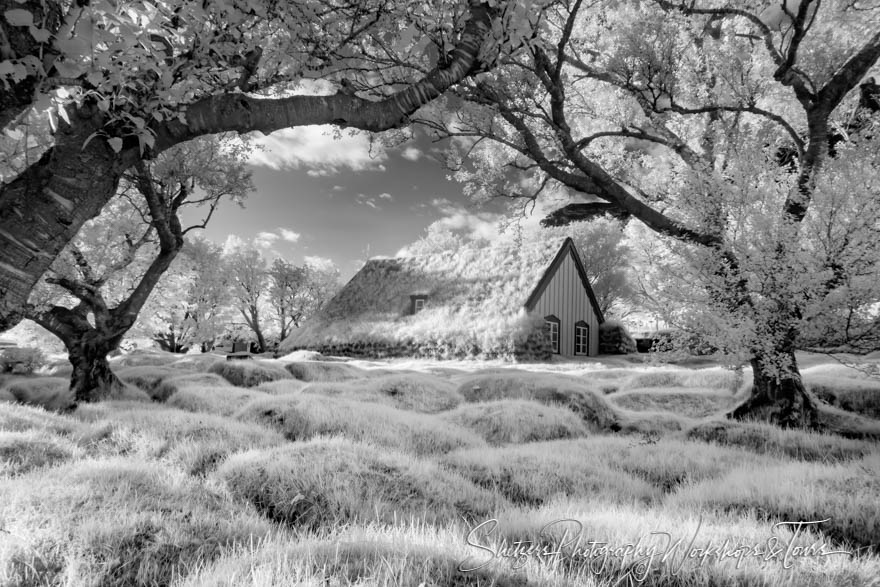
265 240
364 200
337 188
319 263
315 149
412 154
385 196
289 235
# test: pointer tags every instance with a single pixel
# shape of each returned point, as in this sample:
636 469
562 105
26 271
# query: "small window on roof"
417 303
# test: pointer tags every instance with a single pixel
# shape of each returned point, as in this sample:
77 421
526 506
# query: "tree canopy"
116 82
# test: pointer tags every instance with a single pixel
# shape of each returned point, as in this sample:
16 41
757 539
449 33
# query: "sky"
344 198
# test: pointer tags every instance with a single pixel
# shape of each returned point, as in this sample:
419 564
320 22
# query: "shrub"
21 361
772 440
614 339
517 421
51 393
533 473
21 452
248 373
116 522
304 416
324 371
327 482
171 385
571 393
223 400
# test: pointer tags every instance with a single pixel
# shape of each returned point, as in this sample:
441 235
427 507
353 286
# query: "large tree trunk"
779 396
92 379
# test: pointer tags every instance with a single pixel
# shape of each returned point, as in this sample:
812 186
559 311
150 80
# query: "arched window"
551 325
581 338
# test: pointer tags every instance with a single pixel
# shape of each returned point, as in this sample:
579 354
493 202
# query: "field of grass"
302 472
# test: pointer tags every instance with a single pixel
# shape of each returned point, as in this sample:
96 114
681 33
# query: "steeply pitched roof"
474 296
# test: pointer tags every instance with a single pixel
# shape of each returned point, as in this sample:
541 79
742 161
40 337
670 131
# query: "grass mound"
306 415
324 371
6 395
359 556
147 378
530 474
693 403
410 391
115 522
21 452
197 442
859 395
843 494
145 358
51 393
571 393
518 421
282 386
20 418
248 373
713 379
769 439
327 482
222 400
199 363
172 385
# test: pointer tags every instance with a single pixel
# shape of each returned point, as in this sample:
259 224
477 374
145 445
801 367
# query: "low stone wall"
535 348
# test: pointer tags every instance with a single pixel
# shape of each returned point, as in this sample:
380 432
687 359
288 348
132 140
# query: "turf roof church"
517 302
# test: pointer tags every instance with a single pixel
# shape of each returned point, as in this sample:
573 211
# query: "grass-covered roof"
474 296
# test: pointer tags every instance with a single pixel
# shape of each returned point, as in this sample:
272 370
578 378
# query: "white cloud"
289 235
315 149
319 263
232 243
367 201
337 188
265 240
412 154
385 196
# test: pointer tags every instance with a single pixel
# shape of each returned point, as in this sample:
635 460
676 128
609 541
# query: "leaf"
89 138
19 17
115 144
67 69
40 35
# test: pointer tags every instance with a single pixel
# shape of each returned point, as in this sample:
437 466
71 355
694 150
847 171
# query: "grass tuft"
248 373
571 393
172 385
51 393
147 378
223 400
21 452
324 371
115 522
518 421
767 439
327 482
306 416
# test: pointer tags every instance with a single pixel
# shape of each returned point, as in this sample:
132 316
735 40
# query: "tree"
208 297
297 292
288 295
250 285
672 113
97 288
121 82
